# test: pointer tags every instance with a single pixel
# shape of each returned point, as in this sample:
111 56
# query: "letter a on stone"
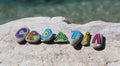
33 37
21 34
76 37
61 38
97 41
86 39
46 35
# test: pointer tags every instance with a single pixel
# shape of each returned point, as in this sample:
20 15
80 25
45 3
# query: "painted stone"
21 34
86 39
46 35
97 41
61 38
76 37
33 37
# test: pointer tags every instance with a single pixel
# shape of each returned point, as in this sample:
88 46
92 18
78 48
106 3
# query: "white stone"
97 41
76 37
46 35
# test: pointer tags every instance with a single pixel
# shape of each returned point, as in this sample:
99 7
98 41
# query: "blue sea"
76 11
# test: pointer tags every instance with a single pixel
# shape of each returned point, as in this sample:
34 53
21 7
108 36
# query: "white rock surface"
13 54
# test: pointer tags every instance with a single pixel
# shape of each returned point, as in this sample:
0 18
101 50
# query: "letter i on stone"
76 37
33 37
61 38
46 35
97 41
21 35
86 39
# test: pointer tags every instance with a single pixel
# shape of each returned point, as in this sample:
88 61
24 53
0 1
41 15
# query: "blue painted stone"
97 41
76 37
46 35
21 34
33 37
60 37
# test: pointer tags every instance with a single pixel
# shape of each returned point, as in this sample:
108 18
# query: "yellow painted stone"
86 39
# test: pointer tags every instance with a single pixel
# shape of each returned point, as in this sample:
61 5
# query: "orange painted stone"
33 37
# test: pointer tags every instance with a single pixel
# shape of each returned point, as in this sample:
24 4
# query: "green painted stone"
61 38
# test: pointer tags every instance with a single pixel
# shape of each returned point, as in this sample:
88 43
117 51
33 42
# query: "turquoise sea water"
76 11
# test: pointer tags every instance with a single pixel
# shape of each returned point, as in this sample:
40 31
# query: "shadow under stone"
36 43
78 46
62 43
51 42
22 43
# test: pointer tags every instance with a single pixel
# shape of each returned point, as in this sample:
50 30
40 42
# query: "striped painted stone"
76 37
21 34
86 39
46 35
60 37
97 41
33 37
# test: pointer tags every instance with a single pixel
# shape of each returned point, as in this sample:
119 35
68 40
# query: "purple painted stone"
21 34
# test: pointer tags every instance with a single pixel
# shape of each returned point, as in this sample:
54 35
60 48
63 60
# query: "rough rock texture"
14 54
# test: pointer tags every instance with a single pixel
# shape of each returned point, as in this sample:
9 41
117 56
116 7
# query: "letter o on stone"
46 35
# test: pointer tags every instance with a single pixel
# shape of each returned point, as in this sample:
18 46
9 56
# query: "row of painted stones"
24 35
